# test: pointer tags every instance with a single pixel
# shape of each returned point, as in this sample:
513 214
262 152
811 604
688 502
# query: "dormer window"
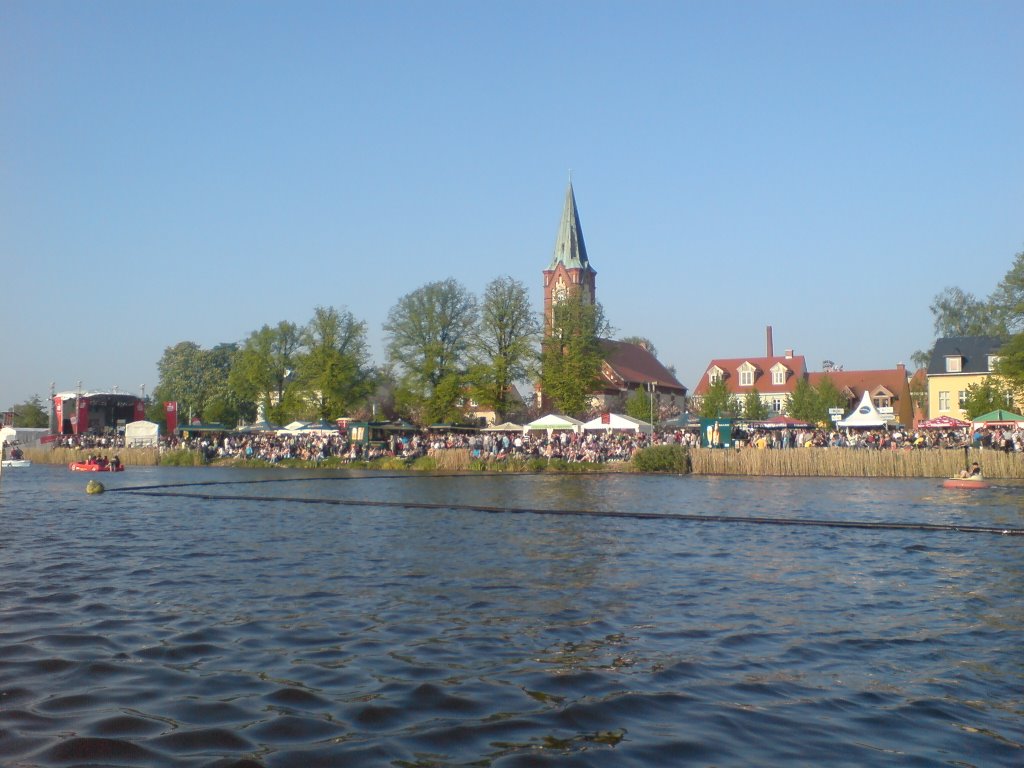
954 364
715 374
779 375
746 372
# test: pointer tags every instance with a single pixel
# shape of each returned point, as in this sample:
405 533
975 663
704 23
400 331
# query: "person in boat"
115 463
16 454
974 473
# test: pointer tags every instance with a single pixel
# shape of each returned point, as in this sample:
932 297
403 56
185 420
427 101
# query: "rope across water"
169 490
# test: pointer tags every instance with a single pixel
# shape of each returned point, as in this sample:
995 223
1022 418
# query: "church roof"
570 250
632 364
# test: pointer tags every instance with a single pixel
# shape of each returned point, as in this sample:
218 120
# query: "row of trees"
445 349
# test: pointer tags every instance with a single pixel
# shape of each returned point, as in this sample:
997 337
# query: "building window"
776 405
961 397
779 377
954 364
746 378
943 401
883 402
993 361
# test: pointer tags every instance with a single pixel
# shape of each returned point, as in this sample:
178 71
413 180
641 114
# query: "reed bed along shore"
793 462
129 456
853 462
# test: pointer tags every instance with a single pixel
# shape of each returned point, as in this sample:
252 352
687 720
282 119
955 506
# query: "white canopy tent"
553 421
142 434
507 426
618 421
865 415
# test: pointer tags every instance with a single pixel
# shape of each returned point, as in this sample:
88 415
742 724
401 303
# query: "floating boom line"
744 520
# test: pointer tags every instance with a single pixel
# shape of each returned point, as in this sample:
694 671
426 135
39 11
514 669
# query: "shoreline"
744 462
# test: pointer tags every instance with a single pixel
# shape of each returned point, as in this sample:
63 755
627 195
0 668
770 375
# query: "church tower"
570 271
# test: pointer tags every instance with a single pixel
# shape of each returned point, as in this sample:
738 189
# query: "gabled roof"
972 350
633 365
796 365
570 250
894 380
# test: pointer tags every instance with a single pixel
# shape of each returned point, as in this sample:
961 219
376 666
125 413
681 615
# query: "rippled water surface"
183 631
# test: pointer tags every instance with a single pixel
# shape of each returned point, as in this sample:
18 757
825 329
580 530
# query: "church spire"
570 250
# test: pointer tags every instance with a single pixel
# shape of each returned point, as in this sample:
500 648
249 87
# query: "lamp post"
651 385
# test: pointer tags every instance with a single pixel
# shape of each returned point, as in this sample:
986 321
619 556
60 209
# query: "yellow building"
957 362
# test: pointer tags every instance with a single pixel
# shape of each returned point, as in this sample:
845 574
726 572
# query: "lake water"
166 630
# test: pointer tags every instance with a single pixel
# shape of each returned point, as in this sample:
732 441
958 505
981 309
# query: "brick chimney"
770 348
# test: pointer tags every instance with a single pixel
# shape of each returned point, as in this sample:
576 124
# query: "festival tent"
261 425
292 428
943 422
613 421
322 427
553 421
682 421
139 434
997 417
22 435
507 426
780 422
864 415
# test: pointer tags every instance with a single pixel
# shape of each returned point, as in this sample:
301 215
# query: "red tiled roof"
635 366
893 379
796 364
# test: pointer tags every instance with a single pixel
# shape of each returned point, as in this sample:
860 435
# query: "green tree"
571 355
334 372
753 406
263 366
429 333
194 377
1006 303
502 348
987 395
828 396
32 413
1011 365
638 405
803 403
718 401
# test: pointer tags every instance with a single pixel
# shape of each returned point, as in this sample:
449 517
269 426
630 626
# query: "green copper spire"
570 250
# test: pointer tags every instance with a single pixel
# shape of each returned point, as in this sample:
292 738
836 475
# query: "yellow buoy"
94 486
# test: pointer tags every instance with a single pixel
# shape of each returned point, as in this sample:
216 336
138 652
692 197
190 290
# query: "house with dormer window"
773 376
888 389
956 363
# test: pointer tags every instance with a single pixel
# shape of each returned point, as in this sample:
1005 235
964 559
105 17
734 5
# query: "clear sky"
191 171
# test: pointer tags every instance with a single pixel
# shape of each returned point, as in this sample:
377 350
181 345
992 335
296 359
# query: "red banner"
140 410
172 416
58 408
82 424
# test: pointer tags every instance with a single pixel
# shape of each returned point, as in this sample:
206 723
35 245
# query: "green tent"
998 416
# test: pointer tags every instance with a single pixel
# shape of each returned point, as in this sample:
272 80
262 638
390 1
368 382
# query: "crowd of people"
589 446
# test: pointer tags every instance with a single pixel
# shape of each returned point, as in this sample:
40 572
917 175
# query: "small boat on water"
969 483
15 463
85 466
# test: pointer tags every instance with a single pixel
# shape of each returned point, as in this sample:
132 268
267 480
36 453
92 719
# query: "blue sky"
190 171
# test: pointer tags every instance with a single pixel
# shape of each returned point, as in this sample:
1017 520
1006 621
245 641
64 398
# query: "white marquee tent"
864 415
618 421
553 421
141 434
